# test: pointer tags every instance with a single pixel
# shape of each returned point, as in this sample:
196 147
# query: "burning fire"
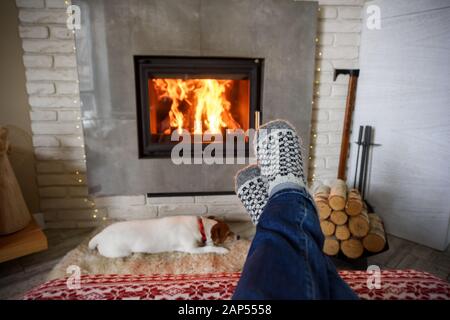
197 105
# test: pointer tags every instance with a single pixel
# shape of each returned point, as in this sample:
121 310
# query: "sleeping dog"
179 233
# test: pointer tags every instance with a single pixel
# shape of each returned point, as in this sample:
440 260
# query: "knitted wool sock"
252 190
278 152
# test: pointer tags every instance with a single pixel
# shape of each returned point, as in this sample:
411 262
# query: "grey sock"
252 189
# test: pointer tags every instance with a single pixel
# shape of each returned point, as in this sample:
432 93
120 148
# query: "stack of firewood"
345 222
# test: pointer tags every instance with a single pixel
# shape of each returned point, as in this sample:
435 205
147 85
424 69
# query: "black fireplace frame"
146 66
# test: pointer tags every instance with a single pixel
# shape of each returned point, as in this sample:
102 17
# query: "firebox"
197 95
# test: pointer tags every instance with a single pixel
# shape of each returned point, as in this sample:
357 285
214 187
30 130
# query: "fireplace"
195 95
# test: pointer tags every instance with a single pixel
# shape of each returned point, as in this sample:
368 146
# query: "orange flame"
207 97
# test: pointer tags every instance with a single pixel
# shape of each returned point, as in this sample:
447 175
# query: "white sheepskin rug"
91 262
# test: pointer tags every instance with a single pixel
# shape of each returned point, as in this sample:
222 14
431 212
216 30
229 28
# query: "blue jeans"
285 260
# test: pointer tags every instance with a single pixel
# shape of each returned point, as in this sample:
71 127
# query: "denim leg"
285 260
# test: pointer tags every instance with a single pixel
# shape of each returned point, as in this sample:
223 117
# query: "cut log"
338 217
354 203
338 195
322 206
331 246
376 238
342 232
352 248
359 225
327 227
321 199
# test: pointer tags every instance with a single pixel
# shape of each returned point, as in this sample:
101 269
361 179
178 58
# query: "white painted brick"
47 46
59 153
54 102
345 63
61 179
66 203
30 3
317 163
350 12
339 52
337 26
53 192
68 115
55 4
327 77
133 212
70 141
319 139
347 39
55 128
181 209
45 141
320 115
67 88
43 115
336 138
338 90
43 16
78 191
328 126
330 103
322 90
323 65
74 166
120 201
49 167
326 39
65 61
326 150
34 32
37 61
40 88
61 33
51 74
170 200
328 12
331 162
336 115
220 199
220 210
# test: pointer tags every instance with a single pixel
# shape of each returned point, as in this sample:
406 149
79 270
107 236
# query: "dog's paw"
221 250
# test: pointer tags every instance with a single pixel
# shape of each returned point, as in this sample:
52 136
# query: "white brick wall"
52 86
338 42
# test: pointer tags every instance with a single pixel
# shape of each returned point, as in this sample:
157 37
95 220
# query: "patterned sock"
278 152
252 190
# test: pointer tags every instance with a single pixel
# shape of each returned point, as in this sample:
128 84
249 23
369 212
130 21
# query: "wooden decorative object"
359 226
342 232
339 217
338 195
375 239
14 214
331 246
352 248
354 203
321 199
327 227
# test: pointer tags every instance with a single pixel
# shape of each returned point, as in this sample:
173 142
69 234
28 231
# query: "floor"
19 275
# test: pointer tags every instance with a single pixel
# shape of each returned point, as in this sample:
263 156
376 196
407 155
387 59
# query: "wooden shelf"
29 240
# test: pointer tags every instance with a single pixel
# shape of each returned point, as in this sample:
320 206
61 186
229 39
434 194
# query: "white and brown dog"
179 233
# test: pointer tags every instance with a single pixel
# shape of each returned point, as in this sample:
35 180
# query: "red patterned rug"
395 284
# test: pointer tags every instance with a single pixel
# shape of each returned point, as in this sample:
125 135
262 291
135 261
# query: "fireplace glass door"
194 95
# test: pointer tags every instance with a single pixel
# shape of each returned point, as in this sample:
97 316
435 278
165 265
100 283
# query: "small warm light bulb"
104 218
85 200
82 145
79 138
96 210
320 54
94 216
310 147
318 69
80 180
312 102
77 172
310 158
317 39
315 135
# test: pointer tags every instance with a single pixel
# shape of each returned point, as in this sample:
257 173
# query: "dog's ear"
219 232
